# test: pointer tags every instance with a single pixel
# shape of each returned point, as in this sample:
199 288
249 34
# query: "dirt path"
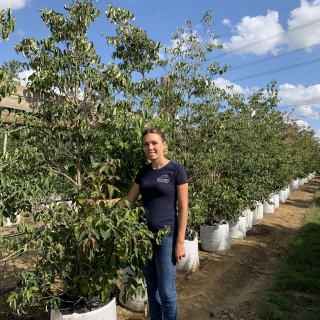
228 284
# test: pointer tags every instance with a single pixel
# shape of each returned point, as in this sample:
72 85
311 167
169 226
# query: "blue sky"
262 40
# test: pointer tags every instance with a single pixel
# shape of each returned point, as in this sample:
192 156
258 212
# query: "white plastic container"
257 213
287 192
106 312
236 231
282 196
294 184
7 222
215 238
248 214
134 303
191 261
243 225
275 200
268 207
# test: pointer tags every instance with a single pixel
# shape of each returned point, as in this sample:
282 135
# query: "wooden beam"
10 118
31 100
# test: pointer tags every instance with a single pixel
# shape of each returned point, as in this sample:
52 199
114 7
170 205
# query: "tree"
7 23
190 104
72 148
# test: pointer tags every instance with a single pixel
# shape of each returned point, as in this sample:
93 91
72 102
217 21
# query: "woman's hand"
179 251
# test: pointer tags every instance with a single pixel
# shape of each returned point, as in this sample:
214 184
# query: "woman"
161 184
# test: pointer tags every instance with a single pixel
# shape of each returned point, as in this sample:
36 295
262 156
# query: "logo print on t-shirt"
164 178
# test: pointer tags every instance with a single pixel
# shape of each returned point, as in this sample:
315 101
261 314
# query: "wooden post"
5 143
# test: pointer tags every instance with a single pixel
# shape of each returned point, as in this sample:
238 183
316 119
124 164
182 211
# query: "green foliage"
136 54
85 147
7 23
235 148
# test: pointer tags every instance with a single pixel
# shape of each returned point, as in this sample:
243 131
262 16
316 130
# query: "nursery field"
229 283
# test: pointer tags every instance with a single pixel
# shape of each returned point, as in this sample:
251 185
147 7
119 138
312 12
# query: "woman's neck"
159 163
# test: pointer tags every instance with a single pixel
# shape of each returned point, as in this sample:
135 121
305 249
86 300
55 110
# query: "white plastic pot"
106 312
191 261
243 226
294 185
282 196
134 303
268 207
7 222
287 192
238 228
248 214
257 213
215 238
275 200
301 181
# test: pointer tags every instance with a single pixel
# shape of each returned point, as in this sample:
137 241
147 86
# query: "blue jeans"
160 274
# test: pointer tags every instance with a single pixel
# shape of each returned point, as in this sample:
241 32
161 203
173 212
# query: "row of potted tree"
84 144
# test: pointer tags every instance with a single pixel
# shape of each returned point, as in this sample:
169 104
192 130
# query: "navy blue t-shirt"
159 194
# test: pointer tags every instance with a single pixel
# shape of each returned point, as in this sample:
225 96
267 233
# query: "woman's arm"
133 193
182 193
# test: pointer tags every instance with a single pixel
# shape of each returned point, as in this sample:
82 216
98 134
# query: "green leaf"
105 233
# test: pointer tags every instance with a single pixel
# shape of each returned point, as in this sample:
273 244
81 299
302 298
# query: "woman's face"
153 146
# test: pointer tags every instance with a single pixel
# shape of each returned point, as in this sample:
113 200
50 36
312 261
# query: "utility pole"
163 107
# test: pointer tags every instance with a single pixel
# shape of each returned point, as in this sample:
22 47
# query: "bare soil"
228 283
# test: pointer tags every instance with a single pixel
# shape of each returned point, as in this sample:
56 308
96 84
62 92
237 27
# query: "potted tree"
71 146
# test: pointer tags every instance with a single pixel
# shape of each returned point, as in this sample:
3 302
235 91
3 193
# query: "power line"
297 88
300 104
315 117
278 70
274 57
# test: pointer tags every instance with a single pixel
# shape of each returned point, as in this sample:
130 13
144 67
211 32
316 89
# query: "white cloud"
305 100
223 84
269 31
20 33
309 35
302 124
317 133
254 29
24 75
185 36
307 111
13 4
226 22
292 95
161 54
